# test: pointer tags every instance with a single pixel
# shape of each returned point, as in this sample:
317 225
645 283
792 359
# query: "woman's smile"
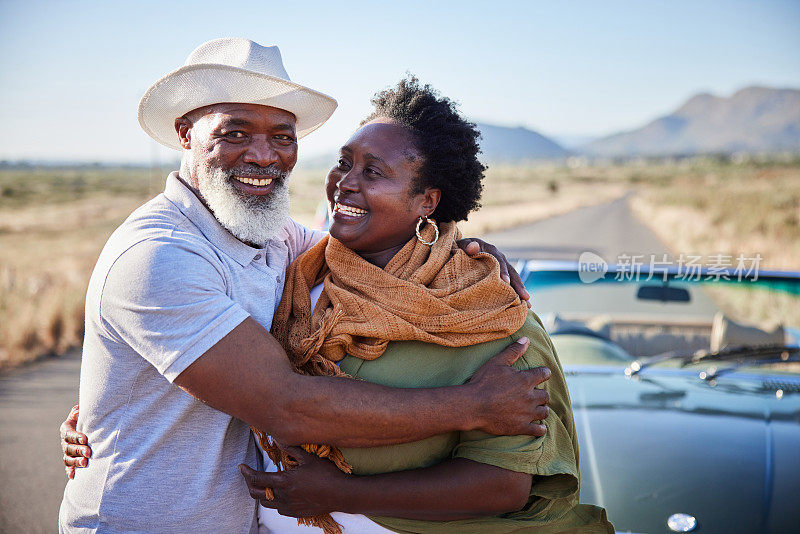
344 213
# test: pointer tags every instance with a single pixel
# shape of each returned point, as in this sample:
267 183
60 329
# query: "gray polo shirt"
169 284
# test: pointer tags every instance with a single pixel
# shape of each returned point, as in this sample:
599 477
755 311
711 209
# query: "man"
178 360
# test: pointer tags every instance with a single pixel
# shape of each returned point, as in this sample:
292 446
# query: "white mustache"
269 172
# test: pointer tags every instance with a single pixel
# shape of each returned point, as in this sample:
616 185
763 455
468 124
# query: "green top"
551 459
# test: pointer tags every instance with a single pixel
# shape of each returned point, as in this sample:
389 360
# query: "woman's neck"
382 258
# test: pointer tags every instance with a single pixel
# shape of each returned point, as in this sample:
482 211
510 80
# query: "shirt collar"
190 205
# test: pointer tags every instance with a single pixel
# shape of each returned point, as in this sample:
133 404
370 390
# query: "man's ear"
430 200
183 127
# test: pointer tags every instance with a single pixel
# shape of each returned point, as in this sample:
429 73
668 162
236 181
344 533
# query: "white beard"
250 218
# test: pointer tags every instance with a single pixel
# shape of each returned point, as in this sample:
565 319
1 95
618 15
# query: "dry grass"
747 209
47 251
731 210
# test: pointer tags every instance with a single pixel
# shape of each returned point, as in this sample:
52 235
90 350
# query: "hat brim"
195 86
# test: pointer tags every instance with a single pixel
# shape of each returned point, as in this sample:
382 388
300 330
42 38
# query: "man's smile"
253 181
253 185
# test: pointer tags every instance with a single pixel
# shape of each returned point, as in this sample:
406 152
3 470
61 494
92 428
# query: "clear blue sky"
72 72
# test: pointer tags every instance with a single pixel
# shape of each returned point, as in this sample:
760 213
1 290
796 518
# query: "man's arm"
247 375
351 413
453 489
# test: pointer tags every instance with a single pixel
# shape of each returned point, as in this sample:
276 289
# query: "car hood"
665 442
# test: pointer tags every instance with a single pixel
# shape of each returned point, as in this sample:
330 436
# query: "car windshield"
736 322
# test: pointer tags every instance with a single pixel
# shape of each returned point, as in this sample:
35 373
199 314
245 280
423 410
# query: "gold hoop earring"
435 228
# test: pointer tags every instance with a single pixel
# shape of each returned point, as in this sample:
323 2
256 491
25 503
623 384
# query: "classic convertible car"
686 392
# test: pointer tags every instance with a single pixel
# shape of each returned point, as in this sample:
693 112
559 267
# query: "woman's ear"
430 201
183 127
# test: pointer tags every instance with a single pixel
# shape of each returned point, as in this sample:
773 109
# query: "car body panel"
664 440
664 443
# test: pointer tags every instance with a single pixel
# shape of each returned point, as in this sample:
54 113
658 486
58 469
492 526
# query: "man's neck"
194 190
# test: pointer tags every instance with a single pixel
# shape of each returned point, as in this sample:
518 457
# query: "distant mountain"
755 119
573 142
517 144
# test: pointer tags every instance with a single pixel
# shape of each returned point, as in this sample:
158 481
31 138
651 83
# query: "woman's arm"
451 490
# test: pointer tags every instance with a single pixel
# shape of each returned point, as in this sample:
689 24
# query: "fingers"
78 441
501 259
538 374
540 413
76 451
540 397
257 491
69 431
518 286
511 353
76 454
73 445
73 437
74 461
472 248
537 430
259 478
71 423
299 454
259 483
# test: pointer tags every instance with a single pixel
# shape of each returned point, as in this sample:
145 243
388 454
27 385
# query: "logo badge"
591 267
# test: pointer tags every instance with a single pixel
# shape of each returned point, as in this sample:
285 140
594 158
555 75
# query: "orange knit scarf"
436 294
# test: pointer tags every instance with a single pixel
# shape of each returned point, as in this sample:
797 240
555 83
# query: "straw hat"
229 70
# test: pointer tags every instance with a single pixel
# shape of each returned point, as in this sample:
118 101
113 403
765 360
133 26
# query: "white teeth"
261 182
349 210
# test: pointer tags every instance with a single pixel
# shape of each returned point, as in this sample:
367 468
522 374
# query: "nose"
348 181
260 151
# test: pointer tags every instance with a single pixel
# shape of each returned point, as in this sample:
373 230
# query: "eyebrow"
236 122
368 155
373 156
244 122
284 126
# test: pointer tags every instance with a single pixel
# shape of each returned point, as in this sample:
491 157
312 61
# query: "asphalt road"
35 399
608 230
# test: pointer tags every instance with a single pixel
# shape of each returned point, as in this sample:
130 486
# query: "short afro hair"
447 142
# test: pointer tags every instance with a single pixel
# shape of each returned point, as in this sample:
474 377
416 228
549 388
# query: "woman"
388 298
